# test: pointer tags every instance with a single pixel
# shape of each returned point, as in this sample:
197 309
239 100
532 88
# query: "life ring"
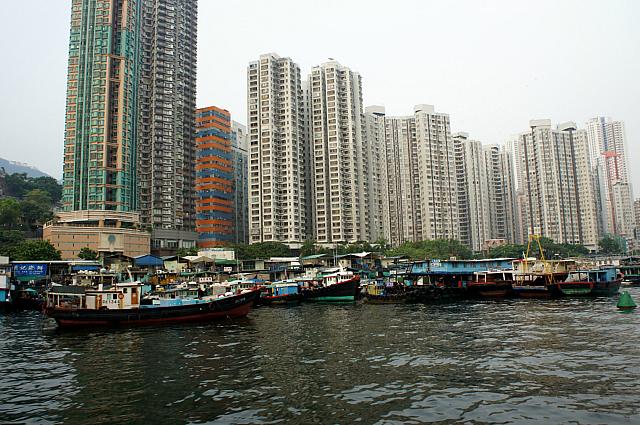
120 296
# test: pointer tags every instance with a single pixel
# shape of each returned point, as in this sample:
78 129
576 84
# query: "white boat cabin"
120 296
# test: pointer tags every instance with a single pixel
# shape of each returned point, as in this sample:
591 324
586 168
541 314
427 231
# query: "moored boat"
630 269
386 292
602 282
337 286
121 305
491 284
539 278
280 293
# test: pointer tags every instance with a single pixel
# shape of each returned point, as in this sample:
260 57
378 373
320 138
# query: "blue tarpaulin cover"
148 261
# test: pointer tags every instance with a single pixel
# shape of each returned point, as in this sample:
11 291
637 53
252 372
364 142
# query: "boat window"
124 290
115 296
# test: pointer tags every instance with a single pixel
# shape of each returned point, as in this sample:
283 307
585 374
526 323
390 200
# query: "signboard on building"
30 271
228 269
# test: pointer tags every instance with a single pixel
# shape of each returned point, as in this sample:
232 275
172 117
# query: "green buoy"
626 302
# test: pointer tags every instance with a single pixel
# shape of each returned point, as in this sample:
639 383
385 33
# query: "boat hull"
402 297
606 289
573 289
338 292
632 280
430 294
290 299
230 307
531 291
490 289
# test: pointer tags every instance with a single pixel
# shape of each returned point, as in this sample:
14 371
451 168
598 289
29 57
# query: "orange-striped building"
214 177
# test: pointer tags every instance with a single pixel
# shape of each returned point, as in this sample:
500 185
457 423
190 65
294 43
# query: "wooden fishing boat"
630 269
121 305
385 292
280 293
491 284
337 286
539 278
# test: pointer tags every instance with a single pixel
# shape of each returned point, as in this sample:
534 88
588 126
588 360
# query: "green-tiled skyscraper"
100 152
100 129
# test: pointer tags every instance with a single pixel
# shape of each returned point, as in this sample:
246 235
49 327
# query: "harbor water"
514 361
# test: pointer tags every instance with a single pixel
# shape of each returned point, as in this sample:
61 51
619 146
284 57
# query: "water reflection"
500 362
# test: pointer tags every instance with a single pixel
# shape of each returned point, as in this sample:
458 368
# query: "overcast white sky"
492 65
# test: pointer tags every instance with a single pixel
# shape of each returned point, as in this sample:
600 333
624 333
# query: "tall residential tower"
166 126
214 178
99 171
338 167
277 152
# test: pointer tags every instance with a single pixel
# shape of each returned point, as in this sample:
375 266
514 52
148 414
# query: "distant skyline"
492 65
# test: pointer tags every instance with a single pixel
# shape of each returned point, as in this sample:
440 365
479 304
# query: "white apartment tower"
437 175
376 157
402 186
548 177
340 171
473 191
501 193
587 182
608 150
277 172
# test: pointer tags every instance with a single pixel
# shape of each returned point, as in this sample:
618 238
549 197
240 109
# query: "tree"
35 250
433 249
507 251
261 250
10 212
183 252
49 185
17 184
87 253
611 245
9 239
308 248
36 208
382 245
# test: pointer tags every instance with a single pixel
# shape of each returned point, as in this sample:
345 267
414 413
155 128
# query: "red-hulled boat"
75 306
491 284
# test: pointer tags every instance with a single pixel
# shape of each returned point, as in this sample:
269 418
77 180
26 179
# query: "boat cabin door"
134 296
98 301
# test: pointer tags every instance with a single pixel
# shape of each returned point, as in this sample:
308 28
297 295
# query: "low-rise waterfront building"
106 232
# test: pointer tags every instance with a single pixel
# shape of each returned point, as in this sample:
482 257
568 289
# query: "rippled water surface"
567 361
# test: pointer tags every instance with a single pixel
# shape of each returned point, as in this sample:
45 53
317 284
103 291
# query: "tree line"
26 203
430 249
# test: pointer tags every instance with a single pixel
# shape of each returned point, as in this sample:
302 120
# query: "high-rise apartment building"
410 163
549 182
100 138
501 193
588 193
239 155
166 122
473 192
402 190
214 178
339 169
376 157
99 171
608 151
636 213
437 175
277 173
